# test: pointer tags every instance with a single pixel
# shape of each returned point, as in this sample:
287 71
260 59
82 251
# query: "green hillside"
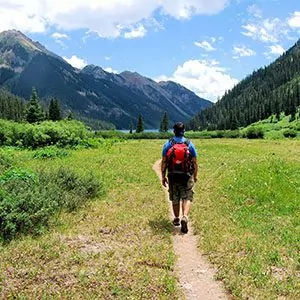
270 90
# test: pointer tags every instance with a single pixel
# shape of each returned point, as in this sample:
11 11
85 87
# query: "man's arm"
195 164
164 179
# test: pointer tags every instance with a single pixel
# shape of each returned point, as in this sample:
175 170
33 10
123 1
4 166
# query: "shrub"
47 133
290 133
50 152
5 162
233 134
254 133
296 125
29 200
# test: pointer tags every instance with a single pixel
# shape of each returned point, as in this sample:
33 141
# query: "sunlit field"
118 243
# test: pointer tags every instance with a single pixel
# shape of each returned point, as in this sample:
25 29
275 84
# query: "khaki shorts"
179 191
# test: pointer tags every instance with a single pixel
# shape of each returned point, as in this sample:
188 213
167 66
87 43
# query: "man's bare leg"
176 209
176 212
186 205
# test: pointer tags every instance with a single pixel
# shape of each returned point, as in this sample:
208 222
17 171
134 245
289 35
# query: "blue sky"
205 45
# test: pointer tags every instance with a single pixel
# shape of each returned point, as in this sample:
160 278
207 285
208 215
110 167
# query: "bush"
290 133
5 162
62 133
50 152
254 133
29 200
296 125
233 134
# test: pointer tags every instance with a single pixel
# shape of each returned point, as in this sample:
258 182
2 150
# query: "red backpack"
179 160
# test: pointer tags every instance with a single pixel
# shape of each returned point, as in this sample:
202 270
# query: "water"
146 130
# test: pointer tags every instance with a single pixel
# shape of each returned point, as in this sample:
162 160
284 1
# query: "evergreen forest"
268 91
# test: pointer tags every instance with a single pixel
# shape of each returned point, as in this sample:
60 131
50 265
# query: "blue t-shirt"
179 139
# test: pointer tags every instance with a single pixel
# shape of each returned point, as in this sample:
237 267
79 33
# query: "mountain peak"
92 93
11 37
134 78
17 50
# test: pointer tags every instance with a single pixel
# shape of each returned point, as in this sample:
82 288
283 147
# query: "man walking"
179 158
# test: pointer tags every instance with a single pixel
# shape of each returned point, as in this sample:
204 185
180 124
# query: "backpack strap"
172 141
187 142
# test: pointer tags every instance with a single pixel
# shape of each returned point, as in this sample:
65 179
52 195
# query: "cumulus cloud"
107 18
294 20
242 51
204 77
274 50
110 70
137 32
205 45
76 62
184 9
59 36
17 15
268 30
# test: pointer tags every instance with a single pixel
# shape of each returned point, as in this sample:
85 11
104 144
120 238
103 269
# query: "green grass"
274 129
246 212
247 215
118 246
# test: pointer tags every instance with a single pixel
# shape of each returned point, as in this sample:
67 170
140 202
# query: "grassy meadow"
118 245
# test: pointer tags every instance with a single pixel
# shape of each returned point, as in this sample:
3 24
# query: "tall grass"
247 215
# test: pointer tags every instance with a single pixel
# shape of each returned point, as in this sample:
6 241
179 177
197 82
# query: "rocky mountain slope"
91 93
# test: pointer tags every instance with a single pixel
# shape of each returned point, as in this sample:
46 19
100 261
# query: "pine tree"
164 125
34 111
130 126
140 124
54 110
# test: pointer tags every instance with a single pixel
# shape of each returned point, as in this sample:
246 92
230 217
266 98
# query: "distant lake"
146 130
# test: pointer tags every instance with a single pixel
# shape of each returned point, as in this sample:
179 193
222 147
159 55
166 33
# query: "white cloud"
277 49
274 50
184 9
107 58
204 77
254 11
138 32
15 15
242 51
268 30
294 20
111 70
58 36
108 18
76 62
205 45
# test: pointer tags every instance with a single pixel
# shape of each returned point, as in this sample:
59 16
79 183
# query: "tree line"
268 91
17 109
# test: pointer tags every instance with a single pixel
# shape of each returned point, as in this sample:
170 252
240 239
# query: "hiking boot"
176 222
184 226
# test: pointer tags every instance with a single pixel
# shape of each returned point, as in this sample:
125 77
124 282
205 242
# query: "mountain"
268 91
91 93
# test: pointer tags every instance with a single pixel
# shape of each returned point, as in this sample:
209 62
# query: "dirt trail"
196 276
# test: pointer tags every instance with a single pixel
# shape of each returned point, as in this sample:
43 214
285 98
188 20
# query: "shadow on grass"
161 226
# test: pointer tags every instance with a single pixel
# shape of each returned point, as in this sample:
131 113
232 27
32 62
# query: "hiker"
179 158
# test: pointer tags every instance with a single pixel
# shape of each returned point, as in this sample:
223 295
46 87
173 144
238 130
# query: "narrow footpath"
196 275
